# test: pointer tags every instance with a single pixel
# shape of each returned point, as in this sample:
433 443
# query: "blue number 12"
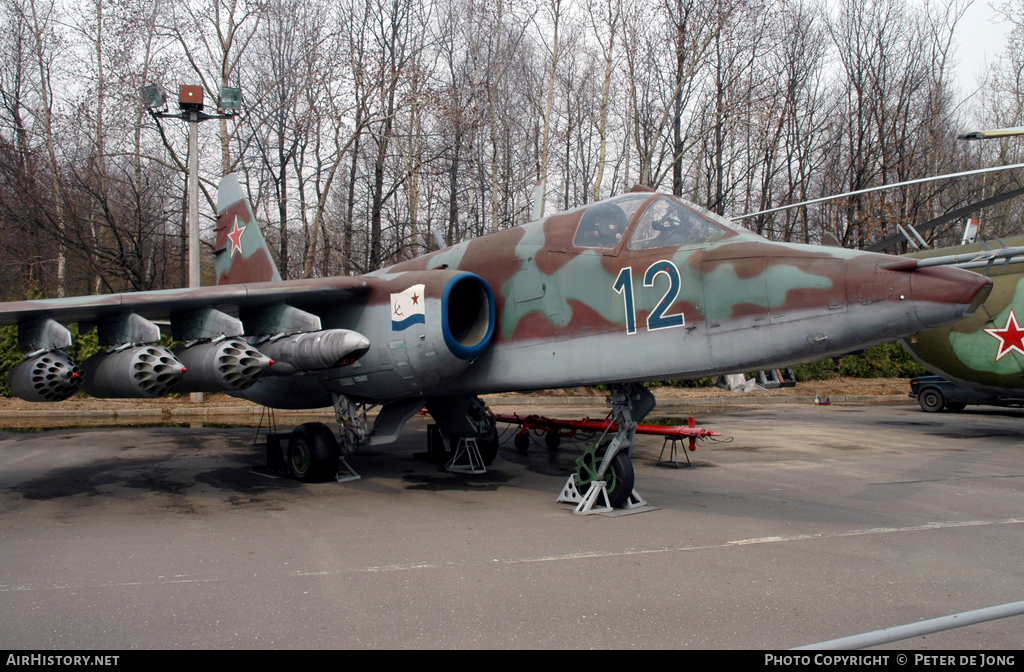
657 319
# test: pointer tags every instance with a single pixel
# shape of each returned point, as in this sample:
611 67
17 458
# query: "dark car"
935 393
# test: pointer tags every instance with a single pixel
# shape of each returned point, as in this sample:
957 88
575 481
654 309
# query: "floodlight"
230 98
154 96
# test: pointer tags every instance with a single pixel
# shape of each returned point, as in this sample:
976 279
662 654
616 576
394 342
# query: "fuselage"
641 287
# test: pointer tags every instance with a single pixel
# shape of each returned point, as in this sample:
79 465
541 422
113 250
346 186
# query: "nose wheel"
618 479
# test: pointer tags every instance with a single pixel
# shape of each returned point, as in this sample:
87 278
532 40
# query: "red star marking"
235 236
1011 337
415 300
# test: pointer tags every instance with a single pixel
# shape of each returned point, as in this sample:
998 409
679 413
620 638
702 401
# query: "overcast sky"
981 39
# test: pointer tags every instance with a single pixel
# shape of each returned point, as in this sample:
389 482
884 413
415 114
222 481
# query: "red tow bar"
554 428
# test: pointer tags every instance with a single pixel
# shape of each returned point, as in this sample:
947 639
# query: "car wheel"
931 400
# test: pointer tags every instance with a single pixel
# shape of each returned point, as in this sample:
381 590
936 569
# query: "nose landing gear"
605 470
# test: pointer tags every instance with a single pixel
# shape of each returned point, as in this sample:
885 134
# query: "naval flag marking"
408 308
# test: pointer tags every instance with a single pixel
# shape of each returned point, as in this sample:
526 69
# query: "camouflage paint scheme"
732 304
979 351
234 235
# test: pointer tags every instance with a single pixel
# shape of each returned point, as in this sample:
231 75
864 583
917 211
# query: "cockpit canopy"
665 223
603 225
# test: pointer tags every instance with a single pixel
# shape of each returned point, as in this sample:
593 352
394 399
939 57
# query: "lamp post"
190 106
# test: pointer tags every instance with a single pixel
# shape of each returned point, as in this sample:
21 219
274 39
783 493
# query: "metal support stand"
277 460
673 460
635 501
467 446
345 472
570 494
597 490
585 503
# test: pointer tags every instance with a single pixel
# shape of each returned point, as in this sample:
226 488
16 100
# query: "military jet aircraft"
983 351
639 287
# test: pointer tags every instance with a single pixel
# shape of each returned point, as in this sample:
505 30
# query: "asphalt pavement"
810 523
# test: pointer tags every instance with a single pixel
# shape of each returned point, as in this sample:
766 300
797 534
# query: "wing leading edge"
163 304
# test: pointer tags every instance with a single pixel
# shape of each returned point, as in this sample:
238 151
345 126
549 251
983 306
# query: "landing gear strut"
608 474
351 419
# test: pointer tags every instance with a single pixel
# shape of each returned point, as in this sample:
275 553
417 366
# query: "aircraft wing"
250 338
308 295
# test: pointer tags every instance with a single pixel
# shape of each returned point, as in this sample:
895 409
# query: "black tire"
522 441
552 440
313 453
619 483
488 445
931 400
955 408
622 484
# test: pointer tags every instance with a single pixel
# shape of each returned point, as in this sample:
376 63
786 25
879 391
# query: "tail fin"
242 254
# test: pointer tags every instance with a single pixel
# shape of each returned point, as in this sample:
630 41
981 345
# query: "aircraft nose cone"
943 294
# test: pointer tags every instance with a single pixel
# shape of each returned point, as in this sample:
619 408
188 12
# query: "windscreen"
665 223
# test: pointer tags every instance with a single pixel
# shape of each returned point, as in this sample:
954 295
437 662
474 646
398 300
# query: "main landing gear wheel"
488 445
313 453
619 478
931 400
